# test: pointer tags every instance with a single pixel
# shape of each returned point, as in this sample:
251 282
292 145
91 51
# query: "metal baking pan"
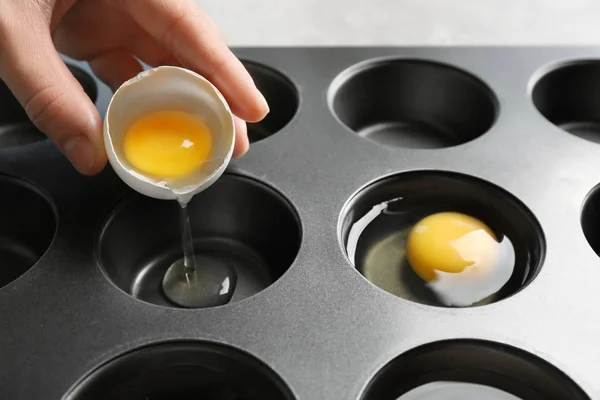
510 134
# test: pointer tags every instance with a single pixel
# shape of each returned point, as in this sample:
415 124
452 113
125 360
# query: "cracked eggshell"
170 88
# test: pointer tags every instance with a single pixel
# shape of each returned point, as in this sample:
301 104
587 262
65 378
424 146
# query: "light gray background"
402 22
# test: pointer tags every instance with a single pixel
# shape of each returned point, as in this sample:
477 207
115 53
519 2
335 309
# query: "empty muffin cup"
27 226
412 103
590 219
282 97
182 371
569 97
238 221
470 369
16 129
442 238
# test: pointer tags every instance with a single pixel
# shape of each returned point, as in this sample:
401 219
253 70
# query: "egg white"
491 270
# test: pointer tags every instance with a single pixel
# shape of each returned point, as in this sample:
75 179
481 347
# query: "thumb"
51 96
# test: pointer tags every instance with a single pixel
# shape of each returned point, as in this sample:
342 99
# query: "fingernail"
241 147
80 151
264 106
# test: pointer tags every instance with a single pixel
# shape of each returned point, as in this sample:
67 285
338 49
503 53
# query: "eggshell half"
169 88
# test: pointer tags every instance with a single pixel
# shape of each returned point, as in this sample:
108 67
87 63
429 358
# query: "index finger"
191 36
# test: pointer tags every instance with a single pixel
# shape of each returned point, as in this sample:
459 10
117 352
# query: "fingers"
241 138
150 51
53 99
190 35
115 67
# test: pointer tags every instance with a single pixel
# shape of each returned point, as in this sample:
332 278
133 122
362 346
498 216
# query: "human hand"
110 35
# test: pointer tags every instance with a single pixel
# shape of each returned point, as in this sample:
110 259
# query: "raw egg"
459 257
169 133
167 144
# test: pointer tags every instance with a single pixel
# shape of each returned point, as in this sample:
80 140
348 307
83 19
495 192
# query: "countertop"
405 22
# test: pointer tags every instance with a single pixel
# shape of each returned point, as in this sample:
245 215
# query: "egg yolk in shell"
449 242
167 144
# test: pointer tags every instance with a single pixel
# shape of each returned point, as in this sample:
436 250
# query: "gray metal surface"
321 326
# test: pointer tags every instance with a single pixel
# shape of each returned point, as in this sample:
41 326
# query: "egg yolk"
167 144
449 242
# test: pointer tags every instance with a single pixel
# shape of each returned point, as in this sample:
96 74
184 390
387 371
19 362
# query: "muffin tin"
515 131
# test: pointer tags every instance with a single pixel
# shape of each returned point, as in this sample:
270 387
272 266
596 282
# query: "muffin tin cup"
186 370
86 316
376 249
259 238
412 103
29 222
490 365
